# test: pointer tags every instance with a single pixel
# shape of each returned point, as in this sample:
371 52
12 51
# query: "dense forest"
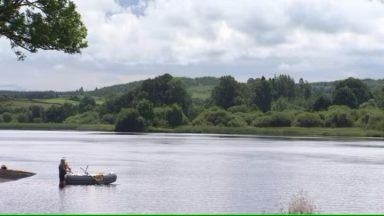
169 102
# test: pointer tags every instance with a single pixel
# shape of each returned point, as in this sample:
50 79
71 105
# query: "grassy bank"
56 126
282 131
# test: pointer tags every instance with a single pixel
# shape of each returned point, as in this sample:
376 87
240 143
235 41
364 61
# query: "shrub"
89 117
276 119
36 111
74 98
371 103
87 103
249 117
7 117
219 117
108 119
338 118
129 120
280 104
159 119
307 119
145 108
37 120
238 108
59 113
174 116
371 119
22 118
301 204
283 104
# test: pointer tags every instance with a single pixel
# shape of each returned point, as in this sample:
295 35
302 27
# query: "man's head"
62 161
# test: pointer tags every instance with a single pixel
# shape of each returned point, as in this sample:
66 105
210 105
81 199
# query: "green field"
57 101
200 92
25 103
60 101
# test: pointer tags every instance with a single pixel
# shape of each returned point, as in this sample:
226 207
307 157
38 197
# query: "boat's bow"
11 175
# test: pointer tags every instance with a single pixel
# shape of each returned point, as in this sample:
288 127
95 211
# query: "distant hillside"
115 89
327 87
200 88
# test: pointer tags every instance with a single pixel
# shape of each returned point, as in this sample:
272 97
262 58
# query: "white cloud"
130 39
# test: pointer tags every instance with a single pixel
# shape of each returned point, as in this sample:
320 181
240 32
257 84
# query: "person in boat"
63 170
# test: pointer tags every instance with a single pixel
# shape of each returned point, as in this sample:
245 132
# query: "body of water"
189 173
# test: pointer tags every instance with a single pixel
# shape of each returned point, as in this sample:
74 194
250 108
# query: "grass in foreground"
301 203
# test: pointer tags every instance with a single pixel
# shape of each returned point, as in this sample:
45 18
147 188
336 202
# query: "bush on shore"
108 119
129 120
371 119
275 119
307 119
219 117
7 117
175 116
90 117
339 116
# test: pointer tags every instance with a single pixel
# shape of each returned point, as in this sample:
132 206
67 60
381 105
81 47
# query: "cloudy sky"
319 40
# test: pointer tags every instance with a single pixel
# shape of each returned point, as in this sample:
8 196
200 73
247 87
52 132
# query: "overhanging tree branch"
55 25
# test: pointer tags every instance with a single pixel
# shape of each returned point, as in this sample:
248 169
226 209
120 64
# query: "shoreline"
56 126
353 132
273 132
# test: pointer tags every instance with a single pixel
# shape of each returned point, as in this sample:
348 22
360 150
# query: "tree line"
164 102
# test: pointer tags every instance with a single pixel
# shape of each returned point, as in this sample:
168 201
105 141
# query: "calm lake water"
189 173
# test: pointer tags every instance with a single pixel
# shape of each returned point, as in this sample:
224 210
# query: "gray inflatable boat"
12 175
90 179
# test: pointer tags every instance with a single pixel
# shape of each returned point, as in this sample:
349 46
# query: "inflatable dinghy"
90 179
12 175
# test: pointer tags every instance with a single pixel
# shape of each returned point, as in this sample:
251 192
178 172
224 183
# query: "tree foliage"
283 86
174 116
227 93
165 90
219 117
358 88
42 24
307 119
129 120
345 96
7 117
262 94
87 103
89 117
322 103
275 119
58 114
145 108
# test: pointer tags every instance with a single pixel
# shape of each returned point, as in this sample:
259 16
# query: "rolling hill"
200 88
